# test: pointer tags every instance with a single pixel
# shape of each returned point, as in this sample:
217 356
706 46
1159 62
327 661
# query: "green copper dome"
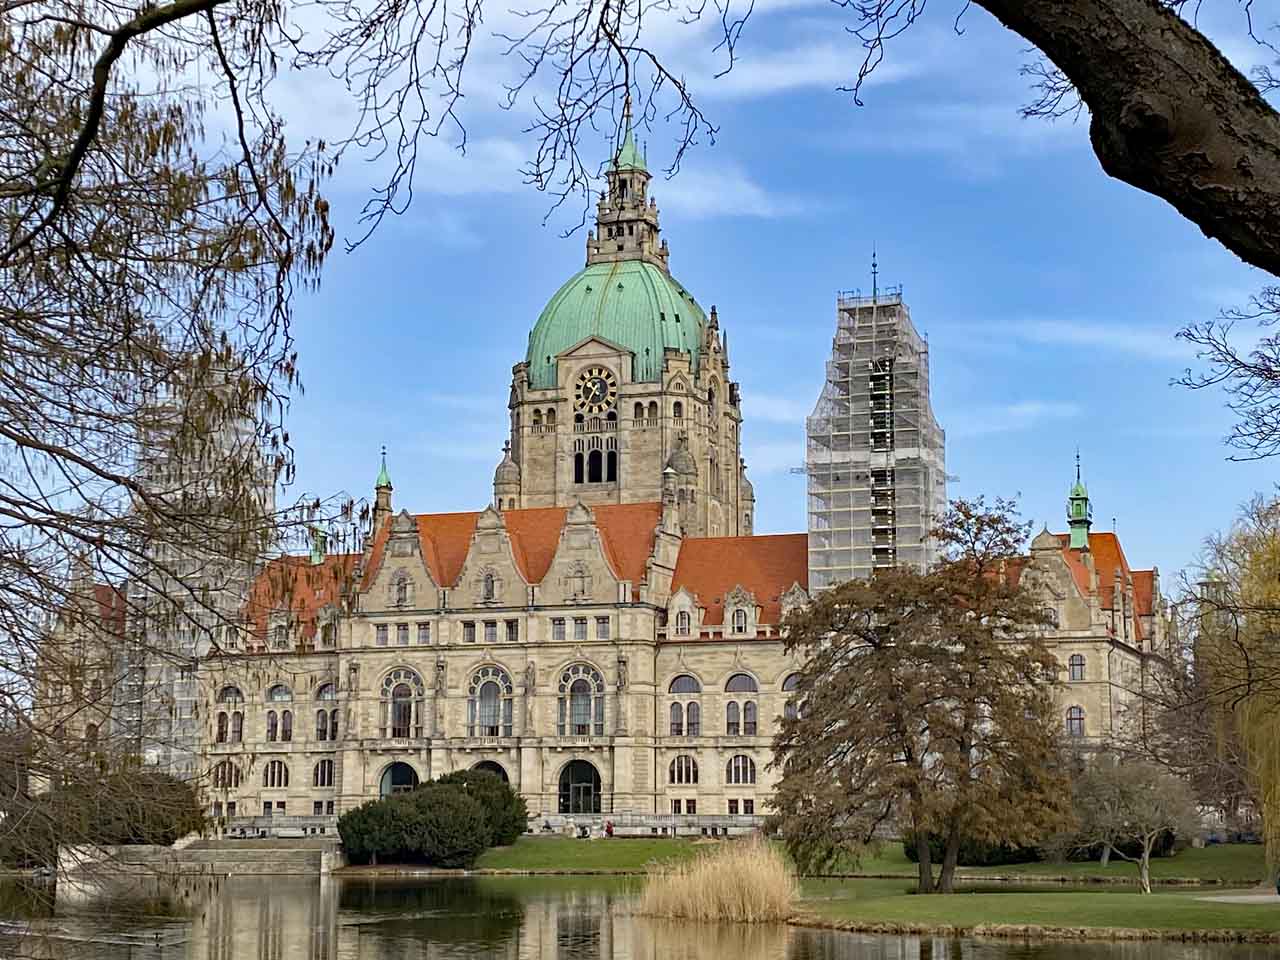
632 303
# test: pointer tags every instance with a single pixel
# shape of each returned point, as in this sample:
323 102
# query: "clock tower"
625 376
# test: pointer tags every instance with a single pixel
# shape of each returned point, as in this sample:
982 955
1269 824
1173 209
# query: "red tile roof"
765 566
626 530
111 607
303 589
1110 563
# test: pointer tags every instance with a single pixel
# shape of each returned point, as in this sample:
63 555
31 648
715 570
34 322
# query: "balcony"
596 425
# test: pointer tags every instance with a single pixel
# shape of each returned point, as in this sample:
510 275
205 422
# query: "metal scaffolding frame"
874 452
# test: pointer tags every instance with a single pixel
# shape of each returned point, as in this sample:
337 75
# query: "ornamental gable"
490 575
580 571
399 577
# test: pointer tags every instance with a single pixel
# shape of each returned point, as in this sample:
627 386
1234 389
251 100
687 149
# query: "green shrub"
506 811
373 832
973 853
440 824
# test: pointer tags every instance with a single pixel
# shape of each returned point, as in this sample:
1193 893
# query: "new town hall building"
605 633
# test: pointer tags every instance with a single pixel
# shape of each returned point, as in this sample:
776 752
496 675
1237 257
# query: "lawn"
1239 864
567 854
1180 910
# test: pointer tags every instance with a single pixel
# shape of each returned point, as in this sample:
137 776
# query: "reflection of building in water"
276 918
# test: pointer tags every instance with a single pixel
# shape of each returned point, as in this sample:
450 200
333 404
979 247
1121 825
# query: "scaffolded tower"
875 460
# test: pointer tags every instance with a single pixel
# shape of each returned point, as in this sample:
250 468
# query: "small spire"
506 450
875 272
1077 464
629 156
384 478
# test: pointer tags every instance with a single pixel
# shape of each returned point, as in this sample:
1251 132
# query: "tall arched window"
687 713
611 467
551 416
221 736
683 771
581 702
677 410
790 685
682 623
275 775
693 719
322 725
749 718
537 418
226 775
677 720
741 769
490 703
639 412
579 472
732 718
744 710
1076 666
739 621
1075 721
237 726
595 466
286 726
322 776
402 695
653 409
273 726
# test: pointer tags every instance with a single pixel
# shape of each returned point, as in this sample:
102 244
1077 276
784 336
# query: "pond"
525 918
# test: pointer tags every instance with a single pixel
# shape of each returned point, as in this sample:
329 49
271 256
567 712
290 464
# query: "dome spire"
628 155
626 216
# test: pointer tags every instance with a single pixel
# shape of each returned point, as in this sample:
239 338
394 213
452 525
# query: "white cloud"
771 408
698 193
759 73
1007 418
1152 343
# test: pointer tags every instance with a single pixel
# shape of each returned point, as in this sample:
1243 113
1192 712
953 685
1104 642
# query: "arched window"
639 415
275 774
732 719
230 694
682 623
221 736
611 416
653 409
581 704
685 684
402 695
322 725
741 683
237 727
790 685
490 704
1076 666
333 724
677 720
327 691
537 418
551 416
488 586
279 694
595 467
611 467
677 410
272 726
741 769
749 718
579 475
286 726
226 775
683 771
1075 721
739 621
328 635
322 776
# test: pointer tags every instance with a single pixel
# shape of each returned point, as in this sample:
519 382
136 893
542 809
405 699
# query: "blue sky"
1050 294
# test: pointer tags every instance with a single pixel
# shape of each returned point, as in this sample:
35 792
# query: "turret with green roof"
1079 512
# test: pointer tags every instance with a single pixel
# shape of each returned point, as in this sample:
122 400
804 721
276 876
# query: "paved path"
1244 898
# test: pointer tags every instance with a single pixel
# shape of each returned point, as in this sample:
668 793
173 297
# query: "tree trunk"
1144 864
946 879
924 865
1106 855
1170 114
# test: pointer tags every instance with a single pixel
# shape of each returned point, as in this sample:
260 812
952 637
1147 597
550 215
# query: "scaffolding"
874 452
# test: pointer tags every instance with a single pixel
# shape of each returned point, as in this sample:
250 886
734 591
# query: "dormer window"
682 623
739 621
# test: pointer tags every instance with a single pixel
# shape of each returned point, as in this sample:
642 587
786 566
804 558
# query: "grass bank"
1080 913
1229 864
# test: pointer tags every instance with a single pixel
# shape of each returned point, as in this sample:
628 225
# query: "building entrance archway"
398 778
579 788
490 766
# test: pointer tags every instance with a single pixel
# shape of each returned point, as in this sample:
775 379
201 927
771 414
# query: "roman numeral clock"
596 390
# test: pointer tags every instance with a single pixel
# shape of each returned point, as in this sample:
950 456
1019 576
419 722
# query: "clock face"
596 390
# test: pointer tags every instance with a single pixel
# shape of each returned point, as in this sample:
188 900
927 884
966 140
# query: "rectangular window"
602 628
748 807
513 631
231 808
733 808
317 808
266 808
557 629
579 628
469 631
382 634
217 809
424 634
402 634
328 807
691 805
675 805
279 806
491 631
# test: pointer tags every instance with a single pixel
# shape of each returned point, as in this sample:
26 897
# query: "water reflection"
461 919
